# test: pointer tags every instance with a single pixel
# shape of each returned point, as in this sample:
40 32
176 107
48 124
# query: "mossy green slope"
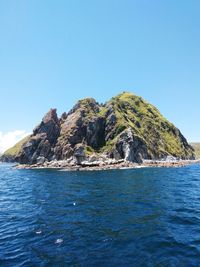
12 152
125 124
145 120
196 147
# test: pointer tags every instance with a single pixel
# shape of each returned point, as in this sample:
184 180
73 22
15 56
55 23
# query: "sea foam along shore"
111 164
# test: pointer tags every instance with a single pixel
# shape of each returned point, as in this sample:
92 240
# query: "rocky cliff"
126 127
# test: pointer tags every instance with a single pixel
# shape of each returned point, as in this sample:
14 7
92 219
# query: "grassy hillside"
196 147
125 125
13 151
161 136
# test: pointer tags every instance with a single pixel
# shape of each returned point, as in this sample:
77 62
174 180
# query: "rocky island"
123 132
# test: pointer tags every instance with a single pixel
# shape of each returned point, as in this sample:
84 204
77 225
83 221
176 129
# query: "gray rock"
50 126
125 128
130 147
79 154
42 141
95 133
40 160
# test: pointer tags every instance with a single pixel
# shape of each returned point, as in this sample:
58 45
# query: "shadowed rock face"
50 127
130 147
42 141
82 125
126 127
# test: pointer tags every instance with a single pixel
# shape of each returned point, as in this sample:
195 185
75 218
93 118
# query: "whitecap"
59 241
140 166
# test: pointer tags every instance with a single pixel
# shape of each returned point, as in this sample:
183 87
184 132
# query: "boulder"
41 160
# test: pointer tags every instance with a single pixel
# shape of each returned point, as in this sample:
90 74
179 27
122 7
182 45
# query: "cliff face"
126 127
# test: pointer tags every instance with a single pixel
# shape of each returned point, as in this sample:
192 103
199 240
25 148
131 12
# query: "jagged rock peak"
64 116
87 104
51 115
126 127
50 126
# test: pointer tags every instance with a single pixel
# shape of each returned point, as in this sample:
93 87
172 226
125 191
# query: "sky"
53 53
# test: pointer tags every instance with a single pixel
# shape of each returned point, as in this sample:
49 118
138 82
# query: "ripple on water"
140 217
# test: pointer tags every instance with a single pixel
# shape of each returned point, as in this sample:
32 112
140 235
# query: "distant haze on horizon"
55 53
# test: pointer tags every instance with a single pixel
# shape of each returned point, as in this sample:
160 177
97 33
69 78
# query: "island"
124 132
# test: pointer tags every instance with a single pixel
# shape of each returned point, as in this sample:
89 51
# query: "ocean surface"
139 217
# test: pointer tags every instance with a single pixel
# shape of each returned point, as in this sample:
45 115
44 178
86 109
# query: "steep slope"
196 147
41 143
11 153
154 134
126 127
81 126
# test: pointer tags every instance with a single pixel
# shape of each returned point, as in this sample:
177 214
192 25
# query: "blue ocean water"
139 217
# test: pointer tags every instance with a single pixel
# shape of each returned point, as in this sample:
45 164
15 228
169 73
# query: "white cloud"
9 139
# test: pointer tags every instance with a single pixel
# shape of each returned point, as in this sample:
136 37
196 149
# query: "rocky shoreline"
117 134
109 165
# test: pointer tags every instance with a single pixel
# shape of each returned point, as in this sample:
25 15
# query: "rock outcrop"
130 147
41 143
125 128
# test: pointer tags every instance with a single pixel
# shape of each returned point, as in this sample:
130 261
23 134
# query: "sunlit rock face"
126 127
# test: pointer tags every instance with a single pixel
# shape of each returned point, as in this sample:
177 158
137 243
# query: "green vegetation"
88 107
147 123
196 147
86 101
15 150
88 150
104 124
102 111
108 146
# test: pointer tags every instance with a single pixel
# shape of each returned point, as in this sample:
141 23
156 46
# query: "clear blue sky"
53 53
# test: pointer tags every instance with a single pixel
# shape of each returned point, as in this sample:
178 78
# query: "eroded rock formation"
126 127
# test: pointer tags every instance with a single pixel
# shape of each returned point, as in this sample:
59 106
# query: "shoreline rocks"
65 165
125 128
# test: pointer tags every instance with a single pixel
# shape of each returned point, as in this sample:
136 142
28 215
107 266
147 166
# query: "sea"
134 217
